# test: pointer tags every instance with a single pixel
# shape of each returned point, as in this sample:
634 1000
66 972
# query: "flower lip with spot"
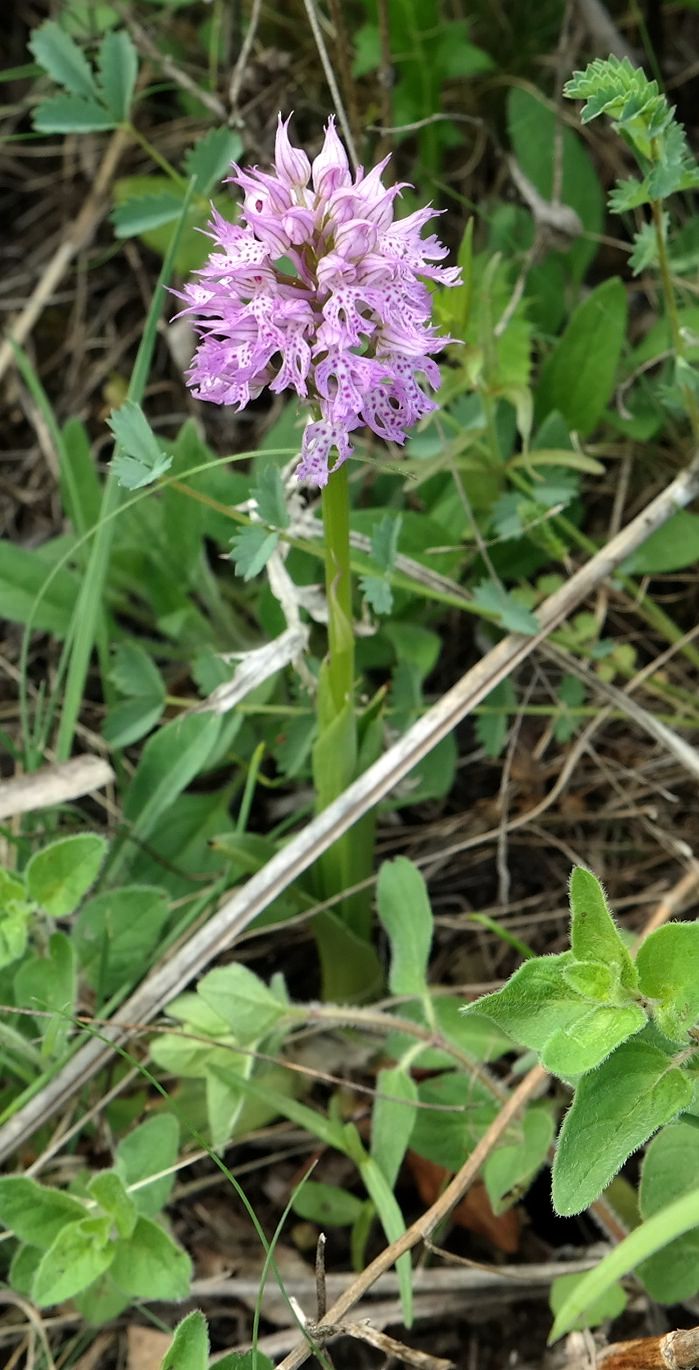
344 320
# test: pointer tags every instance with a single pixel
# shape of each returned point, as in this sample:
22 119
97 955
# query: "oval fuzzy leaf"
34 1212
79 1255
594 935
616 1109
151 1262
189 1349
61 874
327 1205
668 968
579 377
242 1000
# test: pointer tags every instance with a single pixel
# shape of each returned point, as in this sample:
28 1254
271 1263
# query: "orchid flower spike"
320 290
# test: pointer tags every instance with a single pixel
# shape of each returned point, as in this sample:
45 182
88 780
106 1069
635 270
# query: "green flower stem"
349 965
338 588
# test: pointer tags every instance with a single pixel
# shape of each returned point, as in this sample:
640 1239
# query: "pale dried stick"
51 785
244 905
333 87
76 238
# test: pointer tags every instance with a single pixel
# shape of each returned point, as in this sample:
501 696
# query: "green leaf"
392 1121
169 762
668 969
593 1035
135 674
252 549
377 593
244 1360
139 459
653 1235
541 145
502 606
116 934
80 1253
60 875
23 571
384 541
242 1000
150 1148
535 1002
15 912
107 1189
151 1262
189 1348
118 68
211 158
645 247
594 935
62 59
520 1156
35 1213
609 1305
391 1218
71 114
670 548
615 1110
579 377
270 497
405 912
670 1168
327 1205
145 212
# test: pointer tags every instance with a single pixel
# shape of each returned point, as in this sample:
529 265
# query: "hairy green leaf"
615 1110
60 875
668 968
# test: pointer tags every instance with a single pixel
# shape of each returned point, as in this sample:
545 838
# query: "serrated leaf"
645 247
60 875
270 498
252 549
242 1000
80 1253
405 912
71 114
62 59
594 935
151 1261
377 593
384 541
118 68
211 158
189 1348
145 212
139 459
505 609
670 1168
668 970
615 1110
34 1212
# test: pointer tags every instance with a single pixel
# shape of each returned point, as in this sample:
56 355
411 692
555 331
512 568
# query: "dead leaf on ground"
473 1212
145 1347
